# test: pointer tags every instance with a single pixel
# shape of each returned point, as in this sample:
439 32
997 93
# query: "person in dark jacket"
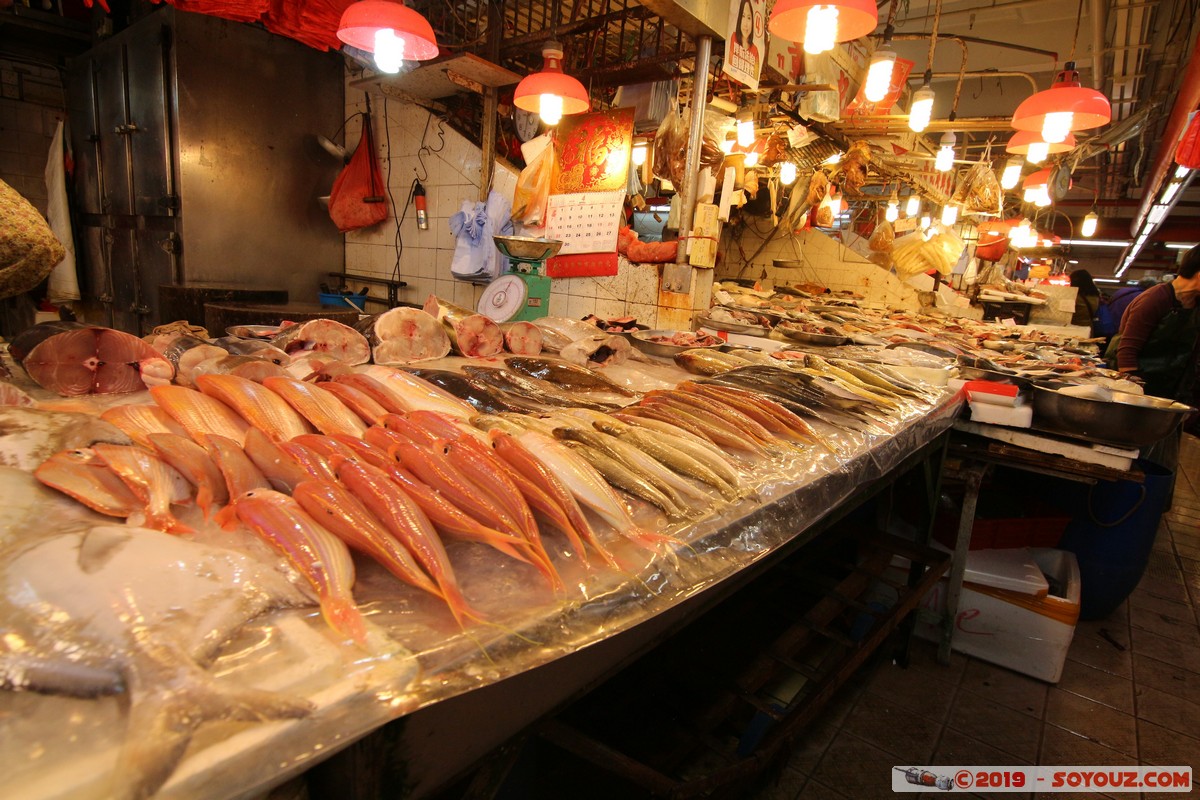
1122 297
1087 298
1159 332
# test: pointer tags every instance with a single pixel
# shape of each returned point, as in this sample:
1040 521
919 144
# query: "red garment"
1140 319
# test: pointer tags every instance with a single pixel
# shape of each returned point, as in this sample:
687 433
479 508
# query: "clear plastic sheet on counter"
59 746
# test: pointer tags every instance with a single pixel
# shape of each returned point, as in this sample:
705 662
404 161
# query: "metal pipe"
691 165
962 11
984 73
1186 101
1098 24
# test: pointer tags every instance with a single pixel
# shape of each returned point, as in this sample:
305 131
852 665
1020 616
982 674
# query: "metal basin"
527 248
1112 422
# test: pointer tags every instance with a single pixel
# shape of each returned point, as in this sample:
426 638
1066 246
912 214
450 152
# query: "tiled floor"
1129 694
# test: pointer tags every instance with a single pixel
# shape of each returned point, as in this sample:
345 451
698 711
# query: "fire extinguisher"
418 194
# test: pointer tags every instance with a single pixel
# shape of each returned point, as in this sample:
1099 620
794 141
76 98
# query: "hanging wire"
1075 39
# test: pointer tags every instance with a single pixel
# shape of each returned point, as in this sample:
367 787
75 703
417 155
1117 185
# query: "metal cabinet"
197 164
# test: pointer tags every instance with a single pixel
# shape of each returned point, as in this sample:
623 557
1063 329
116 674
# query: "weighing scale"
523 293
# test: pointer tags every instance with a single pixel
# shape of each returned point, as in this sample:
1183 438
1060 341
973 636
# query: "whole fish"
281 470
256 404
327 414
405 520
482 398
769 414
255 348
715 428
31 435
200 414
370 387
445 426
415 394
563 373
82 475
724 412
310 549
248 367
195 465
712 459
309 460
240 473
620 476
358 401
346 517
139 420
155 483
533 388
139 613
678 459
704 361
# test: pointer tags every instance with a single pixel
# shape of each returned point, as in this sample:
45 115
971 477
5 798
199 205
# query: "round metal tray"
731 327
641 341
1119 423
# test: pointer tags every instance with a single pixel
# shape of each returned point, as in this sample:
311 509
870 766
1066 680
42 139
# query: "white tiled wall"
823 260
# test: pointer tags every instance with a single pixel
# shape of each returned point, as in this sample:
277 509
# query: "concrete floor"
1129 694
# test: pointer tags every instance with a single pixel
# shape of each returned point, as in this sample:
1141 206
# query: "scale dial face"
1060 182
503 298
527 123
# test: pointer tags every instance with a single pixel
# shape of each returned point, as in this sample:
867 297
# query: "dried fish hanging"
978 190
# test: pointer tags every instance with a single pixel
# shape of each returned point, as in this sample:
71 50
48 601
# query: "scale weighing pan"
527 249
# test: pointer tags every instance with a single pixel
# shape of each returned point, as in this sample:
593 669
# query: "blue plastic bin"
330 299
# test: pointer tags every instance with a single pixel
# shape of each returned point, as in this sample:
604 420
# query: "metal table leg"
972 477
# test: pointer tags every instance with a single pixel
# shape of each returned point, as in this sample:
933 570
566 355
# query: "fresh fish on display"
599 350
73 359
249 367
140 420
471 335
710 408
371 387
326 413
616 470
194 464
310 460
533 388
681 457
558 332
185 352
200 414
81 474
485 399
72 600
405 520
341 512
565 374
671 409
315 553
155 483
258 405
355 399
28 436
239 472
522 338
326 337
255 348
404 335
281 470
706 361
10 395
768 413
414 394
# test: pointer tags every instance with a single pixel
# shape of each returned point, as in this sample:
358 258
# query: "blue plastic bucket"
331 299
1111 535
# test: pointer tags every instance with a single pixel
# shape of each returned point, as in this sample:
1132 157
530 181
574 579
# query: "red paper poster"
862 107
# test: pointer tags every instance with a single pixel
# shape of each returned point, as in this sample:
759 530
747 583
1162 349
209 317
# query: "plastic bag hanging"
358 199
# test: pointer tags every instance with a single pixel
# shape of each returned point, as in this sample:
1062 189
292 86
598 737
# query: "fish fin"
166 523
345 618
227 517
170 697
99 545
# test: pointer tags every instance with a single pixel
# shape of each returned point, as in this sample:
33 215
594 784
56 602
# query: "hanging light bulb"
892 213
390 30
1012 173
949 214
1065 107
820 24
1041 197
745 129
640 149
1038 152
787 173
945 156
752 158
550 92
1031 145
926 221
879 74
913 207
922 108
1088 228
727 146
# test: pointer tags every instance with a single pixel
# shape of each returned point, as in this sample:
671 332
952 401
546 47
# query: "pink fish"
156 484
370 387
82 475
346 517
397 511
256 404
200 414
436 472
75 359
240 474
401 425
139 420
358 401
281 470
327 413
314 552
195 465
309 460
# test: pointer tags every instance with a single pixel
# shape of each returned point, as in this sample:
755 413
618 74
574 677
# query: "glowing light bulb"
879 75
913 207
921 110
1041 197
745 130
639 153
1012 173
949 214
1037 152
892 213
787 173
820 30
751 158
1057 125
1089 224
389 51
727 146
945 159
550 108
926 221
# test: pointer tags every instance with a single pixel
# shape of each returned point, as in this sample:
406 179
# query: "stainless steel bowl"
527 248
641 340
1116 423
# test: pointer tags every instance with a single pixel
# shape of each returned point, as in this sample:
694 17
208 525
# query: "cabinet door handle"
126 129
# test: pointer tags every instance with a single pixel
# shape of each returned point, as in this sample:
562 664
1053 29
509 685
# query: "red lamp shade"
1090 108
856 18
1035 179
551 80
362 20
1020 141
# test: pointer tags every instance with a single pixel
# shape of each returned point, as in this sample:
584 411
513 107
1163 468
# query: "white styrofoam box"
1025 633
1014 569
1020 416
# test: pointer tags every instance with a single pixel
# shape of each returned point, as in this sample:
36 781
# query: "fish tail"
459 606
649 539
166 523
344 617
509 550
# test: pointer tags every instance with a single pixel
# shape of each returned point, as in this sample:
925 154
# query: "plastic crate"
330 299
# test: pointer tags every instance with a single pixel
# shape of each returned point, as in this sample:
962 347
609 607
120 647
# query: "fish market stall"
181 652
